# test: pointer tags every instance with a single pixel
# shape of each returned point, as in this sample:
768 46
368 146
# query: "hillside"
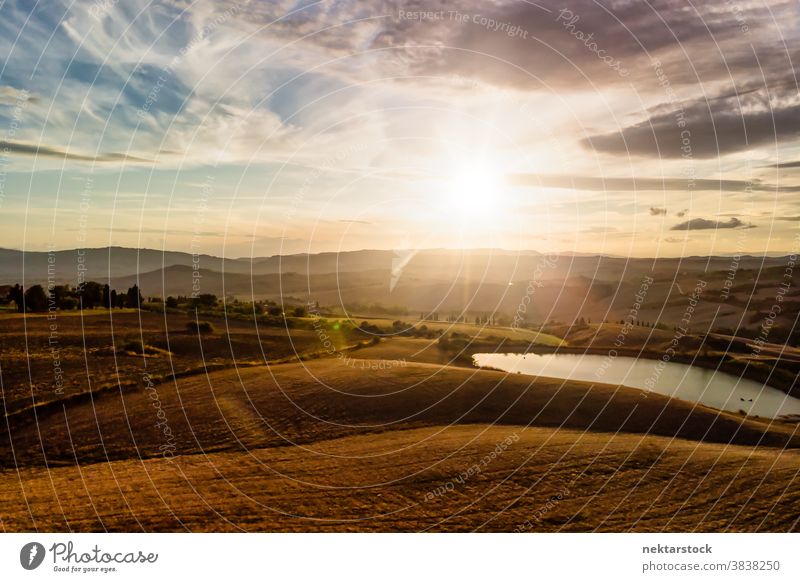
559 288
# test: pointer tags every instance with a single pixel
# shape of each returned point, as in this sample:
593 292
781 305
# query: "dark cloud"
740 117
533 44
784 165
594 183
52 152
710 130
544 45
658 211
706 224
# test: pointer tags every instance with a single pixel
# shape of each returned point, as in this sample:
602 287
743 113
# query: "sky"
250 128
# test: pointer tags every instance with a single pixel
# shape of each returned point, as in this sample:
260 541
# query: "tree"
112 299
172 303
299 311
90 294
204 300
16 295
35 299
107 296
64 297
133 298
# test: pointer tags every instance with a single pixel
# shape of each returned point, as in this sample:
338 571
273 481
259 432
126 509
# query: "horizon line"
773 254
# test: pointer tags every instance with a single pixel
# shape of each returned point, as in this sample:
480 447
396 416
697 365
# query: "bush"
35 299
205 300
68 303
200 327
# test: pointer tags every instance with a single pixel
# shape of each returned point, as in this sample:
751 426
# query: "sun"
472 191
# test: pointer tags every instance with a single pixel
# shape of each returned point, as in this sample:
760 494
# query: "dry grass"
360 483
309 402
87 350
327 446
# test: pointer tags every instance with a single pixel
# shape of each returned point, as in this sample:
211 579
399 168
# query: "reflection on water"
708 387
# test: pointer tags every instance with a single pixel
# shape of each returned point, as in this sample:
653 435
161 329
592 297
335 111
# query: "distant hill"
99 264
565 288
482 265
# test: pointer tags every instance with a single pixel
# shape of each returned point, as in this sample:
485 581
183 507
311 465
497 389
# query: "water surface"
716 389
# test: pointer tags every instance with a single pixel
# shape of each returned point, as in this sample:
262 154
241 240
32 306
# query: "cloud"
531 45
682 213
784 165
708 128
53 152
706 224
602 184
657 211
538 53
162 231
13 96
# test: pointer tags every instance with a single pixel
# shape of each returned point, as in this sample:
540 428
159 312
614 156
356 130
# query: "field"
360 444
91 350
547 480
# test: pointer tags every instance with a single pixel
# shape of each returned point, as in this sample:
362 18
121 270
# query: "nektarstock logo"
31 555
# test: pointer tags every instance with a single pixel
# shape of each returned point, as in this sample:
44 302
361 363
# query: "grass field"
273 448
43 360
546 480
396 435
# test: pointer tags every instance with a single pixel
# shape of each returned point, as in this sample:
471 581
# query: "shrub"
35 299
200 327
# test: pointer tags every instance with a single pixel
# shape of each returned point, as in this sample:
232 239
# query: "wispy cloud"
707 224
784 165
44 151
595 183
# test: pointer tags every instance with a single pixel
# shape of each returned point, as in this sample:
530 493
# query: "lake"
715 389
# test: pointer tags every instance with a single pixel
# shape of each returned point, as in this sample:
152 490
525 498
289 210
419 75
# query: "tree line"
87 295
